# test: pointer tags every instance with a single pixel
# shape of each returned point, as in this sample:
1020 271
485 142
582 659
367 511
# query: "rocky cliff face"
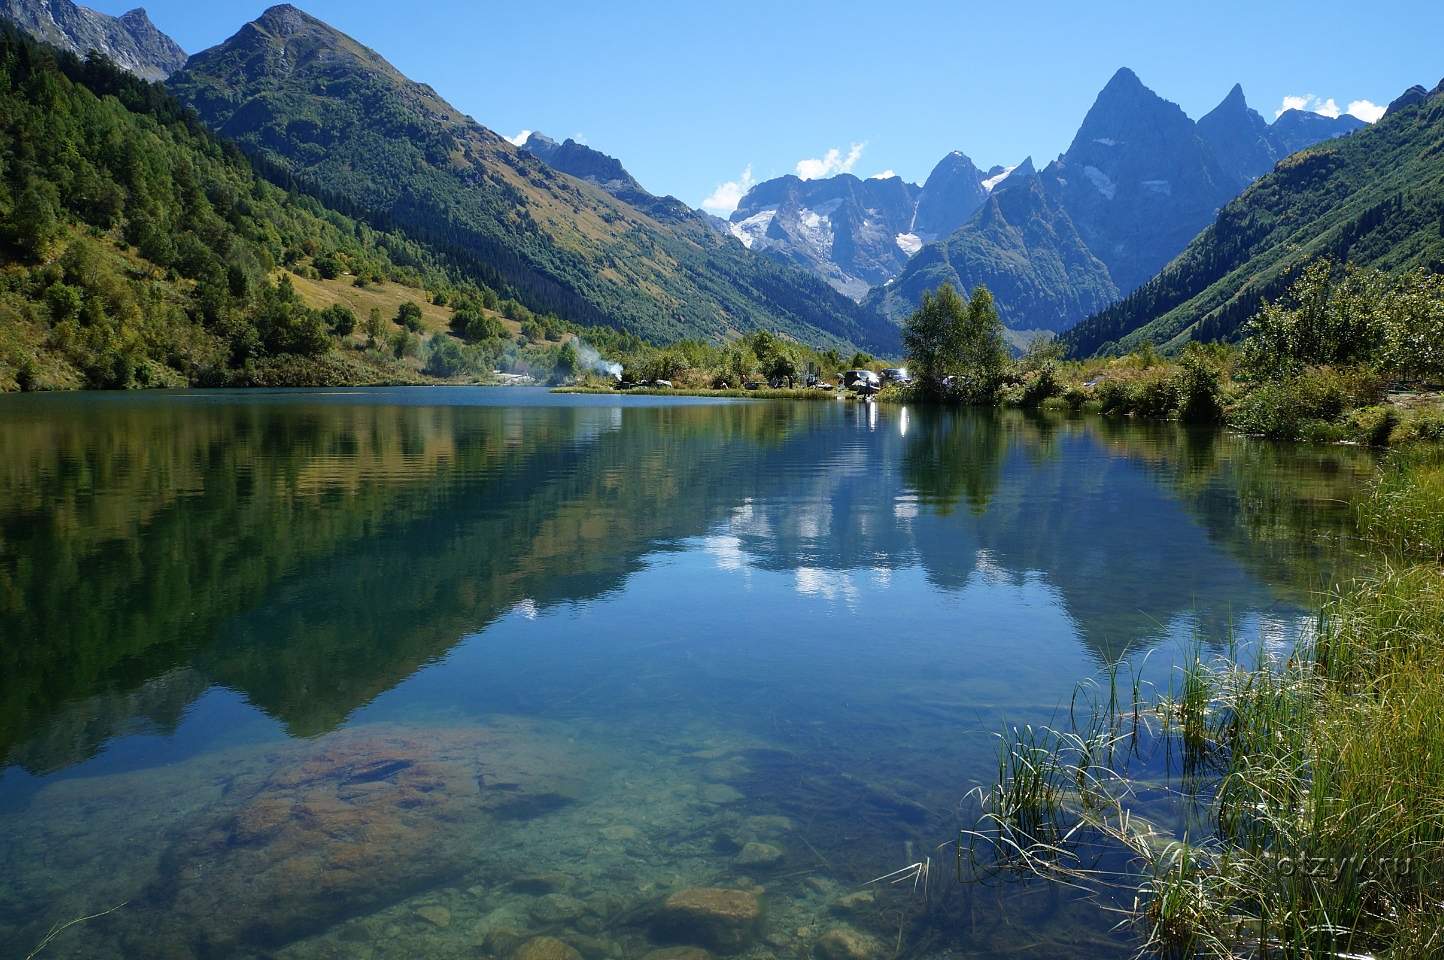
131 41
853 233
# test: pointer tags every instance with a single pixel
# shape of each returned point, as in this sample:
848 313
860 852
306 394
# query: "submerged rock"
555 908
845 943
346 824
719 918
545 948
857 902
757 854
540 883
437 916
677 953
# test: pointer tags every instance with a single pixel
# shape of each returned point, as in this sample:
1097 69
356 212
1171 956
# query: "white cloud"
885 175
1366 110
830 163
519 139
1293 103
728 195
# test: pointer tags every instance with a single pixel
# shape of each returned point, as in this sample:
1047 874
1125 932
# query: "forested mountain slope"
1375 198
137 249
306 97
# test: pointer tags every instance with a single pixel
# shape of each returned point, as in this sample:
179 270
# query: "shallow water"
391 673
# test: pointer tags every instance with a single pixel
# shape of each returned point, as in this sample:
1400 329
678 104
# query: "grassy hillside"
348 126
1374 199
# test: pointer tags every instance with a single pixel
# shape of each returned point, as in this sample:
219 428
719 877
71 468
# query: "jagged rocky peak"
131 41
285 20
1414 95
953 191
1129 113
1240 138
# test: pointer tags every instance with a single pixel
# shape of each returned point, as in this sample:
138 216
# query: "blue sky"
693 97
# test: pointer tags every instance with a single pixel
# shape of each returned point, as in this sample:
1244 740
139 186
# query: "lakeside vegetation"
1348 355
1306 786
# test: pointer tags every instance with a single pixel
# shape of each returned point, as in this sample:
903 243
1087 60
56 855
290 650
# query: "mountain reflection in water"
822 608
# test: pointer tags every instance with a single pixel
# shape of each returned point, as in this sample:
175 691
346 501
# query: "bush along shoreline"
1348 355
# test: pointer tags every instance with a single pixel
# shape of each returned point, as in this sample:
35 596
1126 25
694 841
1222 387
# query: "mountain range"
1138 182
1374 199
130 41
833 261
853 233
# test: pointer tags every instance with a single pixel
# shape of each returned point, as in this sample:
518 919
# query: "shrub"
1371 425
1114 397
475 326
404 343
1155 396
328 266
447 358
339 319
1197 385
408 315
1422 425
1041 385
1318 395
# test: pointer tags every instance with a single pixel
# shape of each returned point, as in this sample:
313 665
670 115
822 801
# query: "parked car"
862 381
754 385
896 375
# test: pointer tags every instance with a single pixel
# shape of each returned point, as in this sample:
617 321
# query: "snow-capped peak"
992 182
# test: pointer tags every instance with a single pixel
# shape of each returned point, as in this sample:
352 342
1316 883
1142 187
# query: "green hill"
1375 198
137 249
312 101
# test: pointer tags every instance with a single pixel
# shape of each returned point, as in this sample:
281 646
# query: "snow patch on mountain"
992 182
753 231
1101 181
909 243
814 228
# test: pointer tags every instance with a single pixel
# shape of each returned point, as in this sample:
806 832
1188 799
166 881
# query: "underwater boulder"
342 826
712 916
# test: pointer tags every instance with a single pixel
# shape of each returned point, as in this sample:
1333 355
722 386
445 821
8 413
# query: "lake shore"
1315 774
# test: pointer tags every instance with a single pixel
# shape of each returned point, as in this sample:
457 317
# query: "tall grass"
1326 809
1403 513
